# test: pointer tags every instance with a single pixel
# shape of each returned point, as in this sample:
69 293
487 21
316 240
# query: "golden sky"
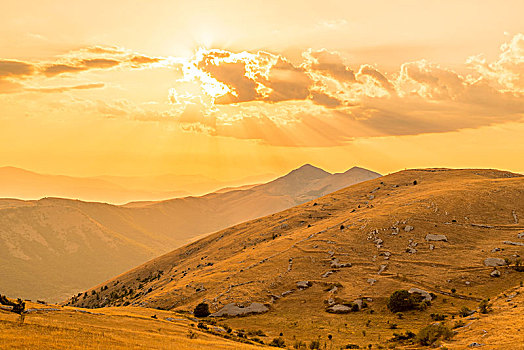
235 88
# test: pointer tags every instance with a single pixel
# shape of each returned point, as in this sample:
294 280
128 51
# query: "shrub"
401 300
393 326
201 310
278 342
399 337
430 334
484 307
352 346
438 317
464 311
315 344
299 344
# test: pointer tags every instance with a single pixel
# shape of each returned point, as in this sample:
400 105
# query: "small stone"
494 262
434 237
408 228
495 273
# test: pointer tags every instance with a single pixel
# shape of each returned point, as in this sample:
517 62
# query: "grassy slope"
117 328
248 264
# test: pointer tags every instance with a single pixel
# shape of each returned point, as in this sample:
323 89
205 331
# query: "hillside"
72 245
430 229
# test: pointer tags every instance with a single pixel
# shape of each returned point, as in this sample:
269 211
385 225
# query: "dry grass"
118 328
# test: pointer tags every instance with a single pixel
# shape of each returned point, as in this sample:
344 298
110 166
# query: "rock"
287 292
336 264
382 269
339 309
431 247
371 281
408 228
233 309
515 217
513 243
359 303
411 250
426 295
495 273
327 273
371 197
434 237
304 284
495 250
494 262
475 345
520 235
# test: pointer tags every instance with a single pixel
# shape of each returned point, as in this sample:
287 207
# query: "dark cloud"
287 82
377 76
330 63
56 69
102 63
11 68
325 100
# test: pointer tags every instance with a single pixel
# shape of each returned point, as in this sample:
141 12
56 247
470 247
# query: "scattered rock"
327 273
495 250
493 262
426 295
372 281
513 243
304 284
515 217
233 309
408 228
520 235
435 237
359 303
411 250
287 292
475 345
495 273
431 247
382 269
336 264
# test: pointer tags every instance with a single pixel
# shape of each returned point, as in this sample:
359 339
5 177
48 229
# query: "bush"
315 344
299 344
430 334
464 311
401 300
201 310
399 337
484 307
438 317
352 346
278 342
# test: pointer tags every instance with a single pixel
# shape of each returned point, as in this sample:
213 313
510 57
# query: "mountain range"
54 247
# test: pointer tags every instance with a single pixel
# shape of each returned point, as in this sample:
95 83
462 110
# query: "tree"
401 300
201 310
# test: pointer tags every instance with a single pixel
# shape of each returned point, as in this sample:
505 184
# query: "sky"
230 89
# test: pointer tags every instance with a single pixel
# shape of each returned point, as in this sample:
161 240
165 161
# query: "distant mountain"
24 184
72 244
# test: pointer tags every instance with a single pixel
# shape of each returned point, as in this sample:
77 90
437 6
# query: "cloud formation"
265 94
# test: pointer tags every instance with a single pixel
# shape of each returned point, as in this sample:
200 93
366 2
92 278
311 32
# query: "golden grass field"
117 328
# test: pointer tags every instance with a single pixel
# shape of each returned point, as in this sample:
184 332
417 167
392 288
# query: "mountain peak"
308 170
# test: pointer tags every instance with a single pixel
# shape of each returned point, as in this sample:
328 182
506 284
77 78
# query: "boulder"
493 262
520 235
426 295
359 303
233 309
408 228
339 309
435 237
326 274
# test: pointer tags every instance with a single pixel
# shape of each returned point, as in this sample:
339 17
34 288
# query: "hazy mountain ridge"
76 244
